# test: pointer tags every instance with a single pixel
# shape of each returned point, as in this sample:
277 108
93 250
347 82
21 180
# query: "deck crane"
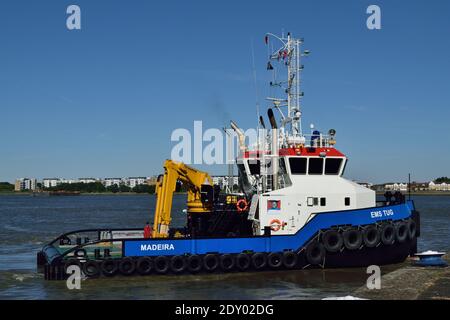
200 191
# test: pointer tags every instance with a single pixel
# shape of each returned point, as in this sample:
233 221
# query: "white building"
87 180
51 182
439 186
108 182
136 181
25 184
69 181
396 187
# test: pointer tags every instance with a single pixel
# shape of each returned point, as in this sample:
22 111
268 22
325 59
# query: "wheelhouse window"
345 165
332 165
298 165
254 166
284 180
315 166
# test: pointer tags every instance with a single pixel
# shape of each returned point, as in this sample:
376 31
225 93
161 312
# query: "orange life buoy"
275 225
242 205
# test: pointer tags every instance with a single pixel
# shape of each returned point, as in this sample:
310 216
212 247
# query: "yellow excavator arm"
165 188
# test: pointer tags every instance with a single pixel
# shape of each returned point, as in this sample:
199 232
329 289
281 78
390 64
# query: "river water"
27 223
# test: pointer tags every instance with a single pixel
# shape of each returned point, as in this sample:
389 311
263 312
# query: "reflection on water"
26 223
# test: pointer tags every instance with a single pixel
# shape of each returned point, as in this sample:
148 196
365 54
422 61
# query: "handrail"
91 230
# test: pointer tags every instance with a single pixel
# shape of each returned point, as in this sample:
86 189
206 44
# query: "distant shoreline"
84 194
420 193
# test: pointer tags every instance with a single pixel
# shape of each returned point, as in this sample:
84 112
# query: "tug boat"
294 210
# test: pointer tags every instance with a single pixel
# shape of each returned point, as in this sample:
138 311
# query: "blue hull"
273 243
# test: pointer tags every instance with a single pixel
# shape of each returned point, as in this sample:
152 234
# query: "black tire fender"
352 239
177 264
127 266
275 260
332 240
412 229
243 261
315 253
109 267
194 263
161 264
71 262
371 236
211 262
387 234
227 262
144 265
259 260
290 259
91 269
401 231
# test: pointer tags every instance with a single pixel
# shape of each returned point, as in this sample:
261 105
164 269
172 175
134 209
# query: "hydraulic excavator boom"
198 183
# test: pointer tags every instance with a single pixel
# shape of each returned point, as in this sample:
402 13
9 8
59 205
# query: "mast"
288 56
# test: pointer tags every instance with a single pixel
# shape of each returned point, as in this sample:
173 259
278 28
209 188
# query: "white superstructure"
293 176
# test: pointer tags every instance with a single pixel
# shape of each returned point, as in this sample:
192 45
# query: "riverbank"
421 193
411 283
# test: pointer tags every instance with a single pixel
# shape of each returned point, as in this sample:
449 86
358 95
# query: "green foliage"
144 188
442 179
124 188
113 188
93 187
6 187
98 187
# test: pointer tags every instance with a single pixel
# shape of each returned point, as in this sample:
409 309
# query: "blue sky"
103 101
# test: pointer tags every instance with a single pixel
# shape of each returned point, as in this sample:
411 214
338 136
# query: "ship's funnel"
241 136
261 121
272 120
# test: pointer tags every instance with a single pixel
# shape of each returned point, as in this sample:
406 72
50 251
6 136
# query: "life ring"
275 225
259 260
352 239
109 267
91 269
401 231
161 264
275 260
227 262
211 262
144 265
315 253
194 263
127 266
388 234
332 240
177 264
371 236
242 205
243 261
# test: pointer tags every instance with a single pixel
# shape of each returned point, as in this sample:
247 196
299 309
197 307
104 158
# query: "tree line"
98 187
6 187
442 180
